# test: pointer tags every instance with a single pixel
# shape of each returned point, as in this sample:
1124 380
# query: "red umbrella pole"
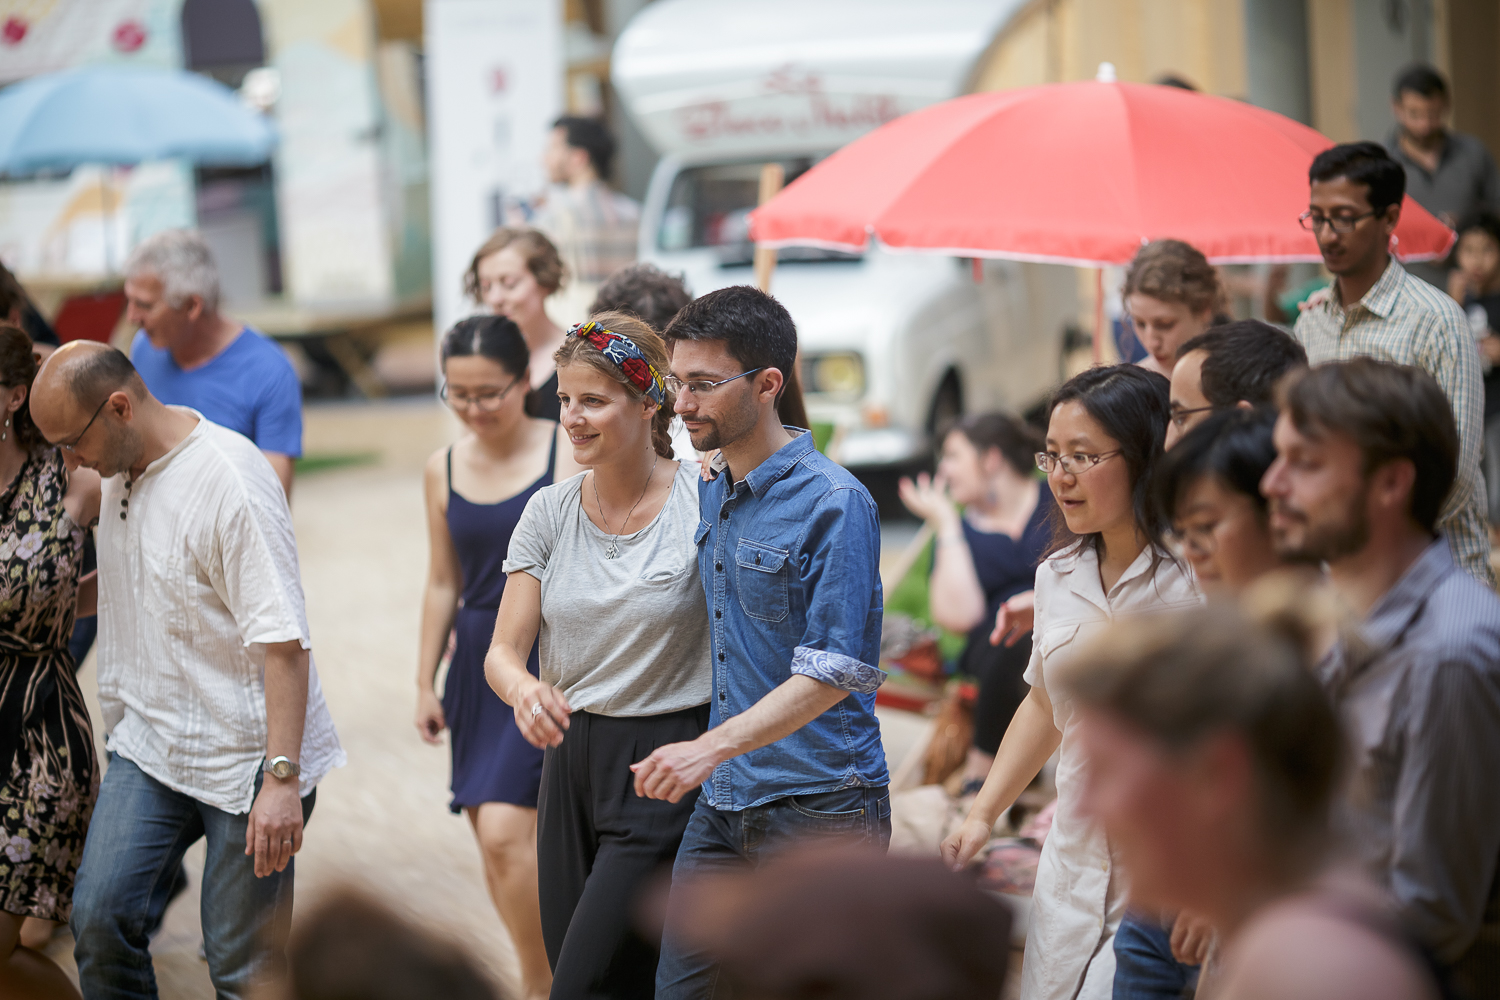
1098 315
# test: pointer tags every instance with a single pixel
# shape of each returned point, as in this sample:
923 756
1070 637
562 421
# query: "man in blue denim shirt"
789 552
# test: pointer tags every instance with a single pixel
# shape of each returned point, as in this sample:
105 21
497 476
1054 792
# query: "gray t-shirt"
625 636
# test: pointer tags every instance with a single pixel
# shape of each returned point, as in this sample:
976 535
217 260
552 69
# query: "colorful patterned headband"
627 357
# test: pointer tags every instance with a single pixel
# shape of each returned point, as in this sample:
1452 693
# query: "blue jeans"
721 841
138 835
1144 966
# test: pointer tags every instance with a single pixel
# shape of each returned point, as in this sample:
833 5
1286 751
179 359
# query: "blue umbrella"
120 114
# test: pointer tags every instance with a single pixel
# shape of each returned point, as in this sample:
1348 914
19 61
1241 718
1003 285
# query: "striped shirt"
1407 321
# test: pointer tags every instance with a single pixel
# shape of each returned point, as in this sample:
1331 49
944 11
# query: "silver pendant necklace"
612 550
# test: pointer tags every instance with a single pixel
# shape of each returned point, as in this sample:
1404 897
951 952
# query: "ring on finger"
536 710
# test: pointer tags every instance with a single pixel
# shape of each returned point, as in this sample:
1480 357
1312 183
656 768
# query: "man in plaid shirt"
1375 308
593 226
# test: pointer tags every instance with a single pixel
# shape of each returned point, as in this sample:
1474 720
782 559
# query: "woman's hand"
541 713
1191 938
1015 618
927 498
963 844
430 719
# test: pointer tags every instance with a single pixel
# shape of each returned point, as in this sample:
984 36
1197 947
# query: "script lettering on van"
791 102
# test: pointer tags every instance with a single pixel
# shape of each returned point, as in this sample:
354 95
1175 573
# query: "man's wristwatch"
283 767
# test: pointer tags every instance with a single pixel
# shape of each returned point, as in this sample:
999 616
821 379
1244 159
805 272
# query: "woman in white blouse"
1108 560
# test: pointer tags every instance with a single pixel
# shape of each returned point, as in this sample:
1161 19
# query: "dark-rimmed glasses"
1074 464
68 446
1179 417
1339 223
485 402
702 386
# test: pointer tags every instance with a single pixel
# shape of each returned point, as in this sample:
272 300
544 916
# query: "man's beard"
1328 542
733 426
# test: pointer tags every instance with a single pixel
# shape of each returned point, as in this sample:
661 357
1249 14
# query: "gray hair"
182 262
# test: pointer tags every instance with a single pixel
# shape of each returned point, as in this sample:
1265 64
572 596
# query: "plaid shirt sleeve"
1447 351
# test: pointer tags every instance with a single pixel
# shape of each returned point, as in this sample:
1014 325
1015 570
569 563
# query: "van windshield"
710 206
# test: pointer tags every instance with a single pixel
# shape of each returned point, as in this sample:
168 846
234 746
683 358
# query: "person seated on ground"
1213 757
350 947
1172 294
990 515
1233 364
1475 283
833 924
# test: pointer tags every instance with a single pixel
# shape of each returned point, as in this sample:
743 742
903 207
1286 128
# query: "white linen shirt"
197 577
1079 898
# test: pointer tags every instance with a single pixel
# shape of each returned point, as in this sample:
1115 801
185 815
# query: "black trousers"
1000 671
597 845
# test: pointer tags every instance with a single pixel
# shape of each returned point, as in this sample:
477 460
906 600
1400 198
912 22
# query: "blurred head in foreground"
353 948
836 924
1212 750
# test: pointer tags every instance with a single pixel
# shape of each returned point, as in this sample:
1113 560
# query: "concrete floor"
382 822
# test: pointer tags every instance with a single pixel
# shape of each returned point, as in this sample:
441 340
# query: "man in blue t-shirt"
189 354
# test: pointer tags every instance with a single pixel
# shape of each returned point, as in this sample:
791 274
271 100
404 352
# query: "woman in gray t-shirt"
602 569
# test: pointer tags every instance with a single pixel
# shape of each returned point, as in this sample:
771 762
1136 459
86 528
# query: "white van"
893 344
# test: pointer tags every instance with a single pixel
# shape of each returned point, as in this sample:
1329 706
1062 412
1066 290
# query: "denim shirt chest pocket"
761 580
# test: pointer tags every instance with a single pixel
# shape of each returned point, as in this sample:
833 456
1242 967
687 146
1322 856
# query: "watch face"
282 769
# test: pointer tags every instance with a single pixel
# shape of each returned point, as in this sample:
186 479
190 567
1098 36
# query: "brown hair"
1184 676
352 946
1017 442
542 258
18 367
1392 412
1174 271
651 345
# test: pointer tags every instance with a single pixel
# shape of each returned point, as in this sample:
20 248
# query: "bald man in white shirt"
214 717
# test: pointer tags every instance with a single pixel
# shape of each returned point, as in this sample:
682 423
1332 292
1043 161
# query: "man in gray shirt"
1450 174
1366 453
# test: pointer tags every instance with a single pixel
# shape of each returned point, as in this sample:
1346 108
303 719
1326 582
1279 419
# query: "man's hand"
1191 938
274 833
675 769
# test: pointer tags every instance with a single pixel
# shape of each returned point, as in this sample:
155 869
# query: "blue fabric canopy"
124 115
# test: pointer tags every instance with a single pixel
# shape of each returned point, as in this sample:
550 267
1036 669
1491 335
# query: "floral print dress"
47 760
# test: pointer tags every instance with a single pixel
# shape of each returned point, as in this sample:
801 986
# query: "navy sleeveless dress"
492 762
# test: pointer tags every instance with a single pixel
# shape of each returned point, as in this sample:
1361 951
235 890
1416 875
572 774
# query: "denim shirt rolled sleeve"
790 564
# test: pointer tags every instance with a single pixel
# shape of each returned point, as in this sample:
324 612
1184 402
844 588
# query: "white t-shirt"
626 636
194 581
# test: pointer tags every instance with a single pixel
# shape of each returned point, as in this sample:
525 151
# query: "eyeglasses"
1200 538
1179 417
70 445
702 386
1074 464
485 402
1338 223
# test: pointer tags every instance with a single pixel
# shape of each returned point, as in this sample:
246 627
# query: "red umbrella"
1073 173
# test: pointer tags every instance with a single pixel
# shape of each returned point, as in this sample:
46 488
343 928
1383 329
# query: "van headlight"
838 373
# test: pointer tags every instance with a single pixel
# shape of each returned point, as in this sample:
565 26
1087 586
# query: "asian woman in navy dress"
475 491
